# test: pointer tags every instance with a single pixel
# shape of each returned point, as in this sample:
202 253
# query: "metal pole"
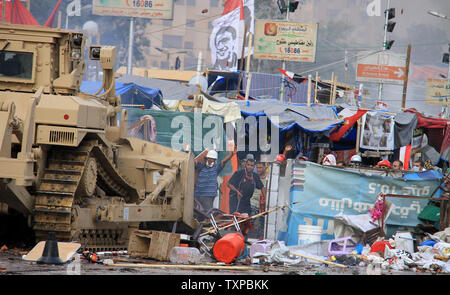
3 11
308 101
130 47
284 61
380 88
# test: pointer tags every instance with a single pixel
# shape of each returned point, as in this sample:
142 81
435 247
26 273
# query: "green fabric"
430 212
164 132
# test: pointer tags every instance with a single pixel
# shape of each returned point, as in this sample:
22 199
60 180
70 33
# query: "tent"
17 13
171 90
132 95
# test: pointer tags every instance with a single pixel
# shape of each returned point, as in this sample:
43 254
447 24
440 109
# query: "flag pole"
130 47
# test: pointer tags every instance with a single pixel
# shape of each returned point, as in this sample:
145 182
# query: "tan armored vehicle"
65 160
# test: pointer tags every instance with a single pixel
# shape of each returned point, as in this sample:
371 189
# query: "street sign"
159 9
382 67
438 91
280 40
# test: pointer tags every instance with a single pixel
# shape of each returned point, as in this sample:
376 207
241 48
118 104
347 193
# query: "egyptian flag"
348 123
230 6
293 76
405 155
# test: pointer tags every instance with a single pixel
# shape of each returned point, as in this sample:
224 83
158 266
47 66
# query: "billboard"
280 40
161 9
438 91
381 67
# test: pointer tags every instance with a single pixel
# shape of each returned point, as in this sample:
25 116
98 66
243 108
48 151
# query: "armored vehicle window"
16 64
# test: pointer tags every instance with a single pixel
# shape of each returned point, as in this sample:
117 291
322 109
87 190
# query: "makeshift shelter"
436 145
171 90
351 192
132 95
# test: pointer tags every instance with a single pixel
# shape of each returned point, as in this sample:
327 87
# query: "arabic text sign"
327 191
281 40
382 67
161 9
438 91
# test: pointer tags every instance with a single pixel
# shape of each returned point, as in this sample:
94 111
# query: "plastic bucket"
228 248
308 234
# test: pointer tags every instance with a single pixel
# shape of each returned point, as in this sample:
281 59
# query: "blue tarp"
130 93
324 191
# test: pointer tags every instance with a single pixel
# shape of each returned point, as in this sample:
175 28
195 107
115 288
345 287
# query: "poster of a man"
225 40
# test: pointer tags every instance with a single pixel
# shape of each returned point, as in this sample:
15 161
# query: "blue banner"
324 191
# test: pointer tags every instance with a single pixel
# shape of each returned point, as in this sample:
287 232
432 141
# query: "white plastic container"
308 234
184 255
404 241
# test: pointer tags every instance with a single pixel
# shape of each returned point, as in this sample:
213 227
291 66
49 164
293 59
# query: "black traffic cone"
50 255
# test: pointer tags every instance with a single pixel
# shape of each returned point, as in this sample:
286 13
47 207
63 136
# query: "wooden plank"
320 260
183 266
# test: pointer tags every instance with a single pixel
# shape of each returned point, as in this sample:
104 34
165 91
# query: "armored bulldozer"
66 162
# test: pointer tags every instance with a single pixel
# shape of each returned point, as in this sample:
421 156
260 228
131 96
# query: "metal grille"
61 137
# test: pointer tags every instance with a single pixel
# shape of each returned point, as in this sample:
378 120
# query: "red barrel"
228 248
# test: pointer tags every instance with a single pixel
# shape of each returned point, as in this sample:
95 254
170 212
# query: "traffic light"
388 44
282 6
445 57
389 26
293 5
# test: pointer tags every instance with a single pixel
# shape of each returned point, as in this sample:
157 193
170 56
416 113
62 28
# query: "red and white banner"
405 155
227 36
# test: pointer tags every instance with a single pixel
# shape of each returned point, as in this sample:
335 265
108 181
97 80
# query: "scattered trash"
91 257
404 241
379 246
184 255
349 260
3 248
261 247
341 246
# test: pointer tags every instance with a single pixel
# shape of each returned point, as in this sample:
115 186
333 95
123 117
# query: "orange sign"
382 67
381 72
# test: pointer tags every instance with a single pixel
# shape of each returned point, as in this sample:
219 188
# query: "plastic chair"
342 246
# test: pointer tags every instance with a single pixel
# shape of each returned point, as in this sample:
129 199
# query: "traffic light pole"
380 88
